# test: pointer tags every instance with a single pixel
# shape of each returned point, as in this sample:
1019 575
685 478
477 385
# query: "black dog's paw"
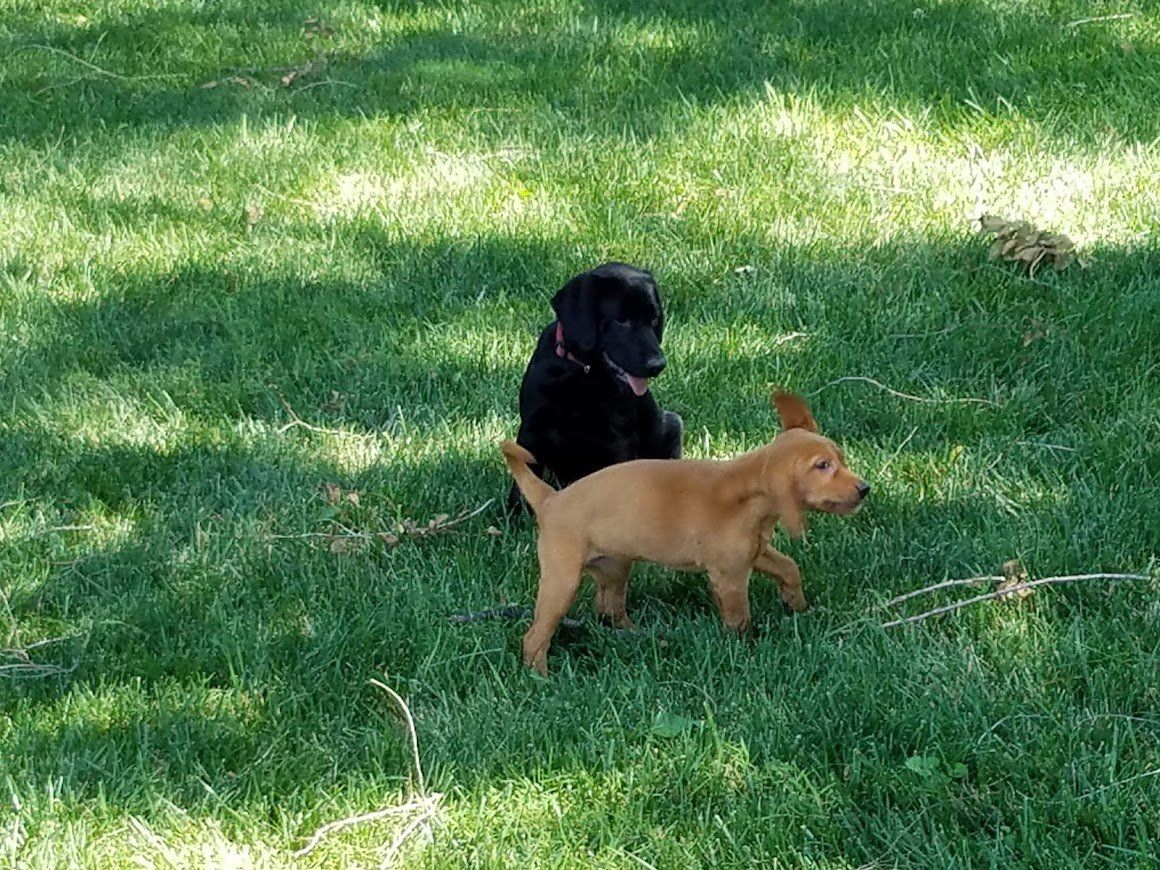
672 434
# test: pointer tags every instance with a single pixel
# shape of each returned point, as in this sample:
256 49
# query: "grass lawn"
248 250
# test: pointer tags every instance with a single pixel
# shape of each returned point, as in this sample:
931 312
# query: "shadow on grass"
612 66
207 642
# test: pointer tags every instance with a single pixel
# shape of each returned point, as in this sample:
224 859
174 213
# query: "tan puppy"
694 515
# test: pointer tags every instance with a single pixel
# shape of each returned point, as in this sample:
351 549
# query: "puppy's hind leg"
611 577
561 562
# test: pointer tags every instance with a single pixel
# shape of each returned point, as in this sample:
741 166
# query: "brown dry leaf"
1034 332
253 215
388 539
333 493
988 223
494 532
206 203
315 65
438 521
339 544
353 498
1021 242
312 28
1014 574
337 402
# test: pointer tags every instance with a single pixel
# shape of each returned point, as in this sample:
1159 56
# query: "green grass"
420 200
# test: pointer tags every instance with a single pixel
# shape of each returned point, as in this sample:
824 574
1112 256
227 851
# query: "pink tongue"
639 385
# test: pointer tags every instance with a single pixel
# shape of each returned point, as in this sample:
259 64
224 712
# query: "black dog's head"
613 315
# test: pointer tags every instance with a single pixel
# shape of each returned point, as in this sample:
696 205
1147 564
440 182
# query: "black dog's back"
584 400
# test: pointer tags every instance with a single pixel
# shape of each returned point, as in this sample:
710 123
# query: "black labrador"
584 401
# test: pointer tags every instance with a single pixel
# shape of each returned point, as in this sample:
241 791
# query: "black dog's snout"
654 365
863 489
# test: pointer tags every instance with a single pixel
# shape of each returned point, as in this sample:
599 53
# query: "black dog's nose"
863 489
654 365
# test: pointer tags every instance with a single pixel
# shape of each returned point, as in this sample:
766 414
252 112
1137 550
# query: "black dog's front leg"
664 442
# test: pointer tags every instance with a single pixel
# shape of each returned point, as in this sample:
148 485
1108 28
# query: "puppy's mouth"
843 508
639 386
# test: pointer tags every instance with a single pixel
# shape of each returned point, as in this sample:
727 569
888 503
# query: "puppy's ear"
575 305
780 486
794 412
792 519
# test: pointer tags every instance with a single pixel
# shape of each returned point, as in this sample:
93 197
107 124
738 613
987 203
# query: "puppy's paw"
796 601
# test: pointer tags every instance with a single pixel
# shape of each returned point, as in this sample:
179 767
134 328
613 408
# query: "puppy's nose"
654 365
863 489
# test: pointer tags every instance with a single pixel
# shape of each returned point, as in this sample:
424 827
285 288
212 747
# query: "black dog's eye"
822 465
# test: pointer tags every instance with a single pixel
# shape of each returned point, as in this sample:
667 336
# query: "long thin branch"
1147 773
339 824
894 455
417 532
1043 581
966 581
511 611
896 393
519 611
405 711
55 529
91 66
401 837
427 804
1100 18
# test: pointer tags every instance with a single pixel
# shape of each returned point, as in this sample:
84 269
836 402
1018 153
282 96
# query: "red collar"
562 352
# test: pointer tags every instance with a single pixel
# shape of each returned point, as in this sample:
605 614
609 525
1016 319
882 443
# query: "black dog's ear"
576 306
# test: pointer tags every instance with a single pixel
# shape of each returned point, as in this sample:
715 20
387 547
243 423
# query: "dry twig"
1095 19
966 581
296 421
518 611
899 395
1007 591
55 529
511 611
1104 788
407 529
92 67
425 804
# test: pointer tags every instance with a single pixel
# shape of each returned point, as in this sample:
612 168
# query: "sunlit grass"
215 301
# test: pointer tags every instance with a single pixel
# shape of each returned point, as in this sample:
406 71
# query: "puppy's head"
809 472
612 315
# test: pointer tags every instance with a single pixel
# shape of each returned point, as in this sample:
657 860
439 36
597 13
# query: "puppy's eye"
822 465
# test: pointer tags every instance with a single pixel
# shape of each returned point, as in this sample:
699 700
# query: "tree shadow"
212 641
619 66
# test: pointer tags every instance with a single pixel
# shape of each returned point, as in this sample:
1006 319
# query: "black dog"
584 401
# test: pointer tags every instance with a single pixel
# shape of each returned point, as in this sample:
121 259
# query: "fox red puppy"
692 515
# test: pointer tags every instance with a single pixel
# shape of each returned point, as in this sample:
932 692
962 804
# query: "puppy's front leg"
730 588
785 572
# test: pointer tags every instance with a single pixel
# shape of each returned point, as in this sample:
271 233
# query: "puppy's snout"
863 489
654 365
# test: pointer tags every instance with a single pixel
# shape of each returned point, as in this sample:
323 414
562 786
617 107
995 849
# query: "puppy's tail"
518 459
